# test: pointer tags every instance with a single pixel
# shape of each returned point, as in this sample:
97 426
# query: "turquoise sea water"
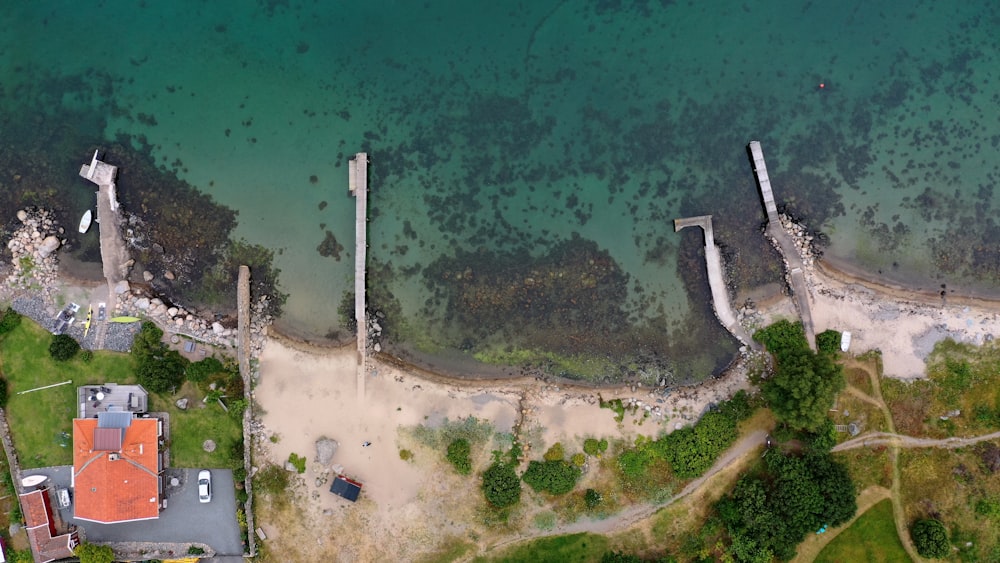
528 158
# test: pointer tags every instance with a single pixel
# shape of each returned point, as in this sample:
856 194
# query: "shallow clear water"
503 128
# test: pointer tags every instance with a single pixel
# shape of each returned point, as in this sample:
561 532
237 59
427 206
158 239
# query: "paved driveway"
184 520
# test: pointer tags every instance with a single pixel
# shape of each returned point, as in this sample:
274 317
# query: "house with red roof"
117 468
46 543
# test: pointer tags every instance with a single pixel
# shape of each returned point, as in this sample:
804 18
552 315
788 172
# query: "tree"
93 553
161 373
555 477
501 486
805 383
9 321
458 455
555 453
63 347
930 538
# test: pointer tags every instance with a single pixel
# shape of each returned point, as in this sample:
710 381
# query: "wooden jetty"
785 244
357 179
716 280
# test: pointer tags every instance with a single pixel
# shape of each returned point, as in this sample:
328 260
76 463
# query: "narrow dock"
114 255
793 261
357 172
716 280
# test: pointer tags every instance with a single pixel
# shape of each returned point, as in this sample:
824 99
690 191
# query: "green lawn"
557 549
39 419
872 537
190 428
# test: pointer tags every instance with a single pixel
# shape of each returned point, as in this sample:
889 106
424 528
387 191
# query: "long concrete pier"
785 244
357 179
114 255
716 281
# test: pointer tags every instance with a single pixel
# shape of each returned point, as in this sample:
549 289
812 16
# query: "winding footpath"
736 457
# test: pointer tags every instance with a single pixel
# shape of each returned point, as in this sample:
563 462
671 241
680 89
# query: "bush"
578 460
828 342
298 461
9 321
63 347
405 455
930 538
590 446
458 455
200 371
555 477
501 486
195 550
592 498
239 474
555 453
3 393
86 356
93 553
272 480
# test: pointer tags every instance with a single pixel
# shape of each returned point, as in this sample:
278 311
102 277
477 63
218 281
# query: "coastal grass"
582 548
867 466
191 427
950 485
962 387
41 421
872 537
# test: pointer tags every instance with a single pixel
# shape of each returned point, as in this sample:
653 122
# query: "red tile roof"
45 544
116 490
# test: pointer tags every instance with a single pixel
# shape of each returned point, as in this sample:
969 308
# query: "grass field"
872 538
41 421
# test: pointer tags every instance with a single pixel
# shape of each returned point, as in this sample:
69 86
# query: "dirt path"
902 441
811 547
898 514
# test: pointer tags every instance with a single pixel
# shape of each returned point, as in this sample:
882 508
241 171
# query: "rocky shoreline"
32 283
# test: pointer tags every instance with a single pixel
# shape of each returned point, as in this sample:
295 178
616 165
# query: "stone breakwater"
32 246
179 320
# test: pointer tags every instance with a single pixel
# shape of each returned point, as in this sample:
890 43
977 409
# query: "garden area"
41 421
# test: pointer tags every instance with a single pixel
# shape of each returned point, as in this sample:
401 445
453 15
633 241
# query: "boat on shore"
85 221
123 319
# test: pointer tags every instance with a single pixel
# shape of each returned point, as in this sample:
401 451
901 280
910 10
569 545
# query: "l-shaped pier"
716 281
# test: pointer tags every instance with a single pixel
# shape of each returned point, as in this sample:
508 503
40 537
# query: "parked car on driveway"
204 486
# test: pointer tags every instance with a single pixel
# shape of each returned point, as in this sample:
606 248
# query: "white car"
204 486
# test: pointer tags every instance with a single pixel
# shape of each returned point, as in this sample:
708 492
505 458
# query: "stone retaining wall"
244 352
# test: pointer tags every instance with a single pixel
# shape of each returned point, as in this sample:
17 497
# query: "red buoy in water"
822 85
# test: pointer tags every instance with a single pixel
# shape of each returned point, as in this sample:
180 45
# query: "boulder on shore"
325 448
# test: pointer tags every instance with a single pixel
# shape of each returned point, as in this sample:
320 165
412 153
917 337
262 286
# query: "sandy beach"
308 393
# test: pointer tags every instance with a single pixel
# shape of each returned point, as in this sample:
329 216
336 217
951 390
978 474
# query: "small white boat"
85 221
845 341
32 480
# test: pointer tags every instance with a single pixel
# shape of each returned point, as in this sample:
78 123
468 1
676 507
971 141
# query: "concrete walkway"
793 261
716 280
